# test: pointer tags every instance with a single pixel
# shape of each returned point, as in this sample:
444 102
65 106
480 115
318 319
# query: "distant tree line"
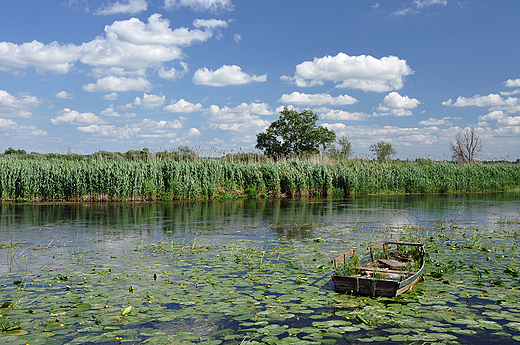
182 153
294 135
297 134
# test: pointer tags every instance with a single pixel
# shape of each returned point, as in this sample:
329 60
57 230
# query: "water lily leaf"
6 304
490 324
350 328
127 310
379 338
398 330
83 306
399 338
511 271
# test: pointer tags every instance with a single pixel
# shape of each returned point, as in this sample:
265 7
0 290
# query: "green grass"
44 179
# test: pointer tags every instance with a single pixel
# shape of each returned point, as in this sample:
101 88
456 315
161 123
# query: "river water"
119 225
67 250
115 222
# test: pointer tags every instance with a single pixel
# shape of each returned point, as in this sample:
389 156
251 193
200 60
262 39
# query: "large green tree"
383 150
294 133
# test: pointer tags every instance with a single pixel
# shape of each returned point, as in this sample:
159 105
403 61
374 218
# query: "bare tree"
466 147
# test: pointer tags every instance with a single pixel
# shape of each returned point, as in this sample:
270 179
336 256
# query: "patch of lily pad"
251 292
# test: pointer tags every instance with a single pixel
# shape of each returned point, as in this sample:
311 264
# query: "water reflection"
33 223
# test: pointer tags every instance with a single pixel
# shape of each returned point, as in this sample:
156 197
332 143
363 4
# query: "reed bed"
46 179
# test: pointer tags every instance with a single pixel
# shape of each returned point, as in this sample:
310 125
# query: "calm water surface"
119 226
37 240
41 223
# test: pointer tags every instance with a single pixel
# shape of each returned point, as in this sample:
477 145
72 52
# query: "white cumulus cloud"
317 99
502 119
128 47
340 115
479 101
133 45
12 106
64 95
111 112
73 117
435 122
110 96
417 5
200 5
209 23
5 123
10 101
193 132
395 101
512 83
149 101
493 101
172 73
129 6
426 3
397 105
118 84
13 130
146 129
225 75
182 106
110 131
362 72
54 57
510 93
244 117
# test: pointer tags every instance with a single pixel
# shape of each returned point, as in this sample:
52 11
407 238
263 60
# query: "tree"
11 151
294 133
383 150
466 147
344 150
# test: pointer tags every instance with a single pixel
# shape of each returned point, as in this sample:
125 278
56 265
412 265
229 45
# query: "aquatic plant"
271 292
24 180
350 266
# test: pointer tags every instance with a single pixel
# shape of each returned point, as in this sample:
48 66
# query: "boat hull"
366 286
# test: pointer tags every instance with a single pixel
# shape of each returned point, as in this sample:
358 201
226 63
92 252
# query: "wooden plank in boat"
391 263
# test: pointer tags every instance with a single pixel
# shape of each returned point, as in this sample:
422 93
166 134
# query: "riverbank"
25 180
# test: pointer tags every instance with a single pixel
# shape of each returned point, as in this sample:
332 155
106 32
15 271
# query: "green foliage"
350 267
11 151
251 193
42 179
250 157
383 150
342 149
294 133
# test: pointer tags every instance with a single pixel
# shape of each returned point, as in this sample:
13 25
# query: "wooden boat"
389 272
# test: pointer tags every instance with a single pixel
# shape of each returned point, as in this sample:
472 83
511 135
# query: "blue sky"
83 75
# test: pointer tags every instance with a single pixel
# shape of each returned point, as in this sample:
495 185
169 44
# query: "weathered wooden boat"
391 269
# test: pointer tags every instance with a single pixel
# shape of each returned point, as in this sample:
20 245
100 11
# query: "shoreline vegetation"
144 176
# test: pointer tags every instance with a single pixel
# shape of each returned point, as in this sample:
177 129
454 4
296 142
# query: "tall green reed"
204 179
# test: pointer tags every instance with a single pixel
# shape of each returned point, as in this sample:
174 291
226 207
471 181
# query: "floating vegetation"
251 292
